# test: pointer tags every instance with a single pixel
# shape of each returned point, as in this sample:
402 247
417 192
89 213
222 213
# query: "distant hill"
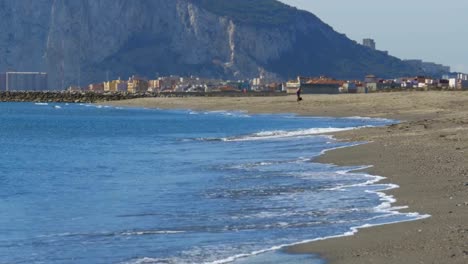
79 42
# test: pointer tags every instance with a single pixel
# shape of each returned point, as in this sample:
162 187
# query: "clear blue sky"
431 30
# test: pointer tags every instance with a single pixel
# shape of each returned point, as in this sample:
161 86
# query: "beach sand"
426 155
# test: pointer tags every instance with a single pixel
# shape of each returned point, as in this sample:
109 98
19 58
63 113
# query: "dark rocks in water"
91 97
62 97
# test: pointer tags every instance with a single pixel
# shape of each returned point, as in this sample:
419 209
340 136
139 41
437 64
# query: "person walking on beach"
298 93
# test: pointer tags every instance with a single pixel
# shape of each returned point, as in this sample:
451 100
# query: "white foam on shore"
341 147
372 119
238 113
142 233
352 232
385 207
279 134
387 200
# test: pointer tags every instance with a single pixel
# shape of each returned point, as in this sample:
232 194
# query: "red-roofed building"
320 85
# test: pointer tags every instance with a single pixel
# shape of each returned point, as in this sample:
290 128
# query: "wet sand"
427 155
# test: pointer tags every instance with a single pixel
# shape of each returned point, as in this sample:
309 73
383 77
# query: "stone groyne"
90 97
62 97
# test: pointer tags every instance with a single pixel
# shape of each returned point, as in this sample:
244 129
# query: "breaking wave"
278 134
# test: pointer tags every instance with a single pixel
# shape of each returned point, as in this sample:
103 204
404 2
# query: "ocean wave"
371 119
147 260
142 233
111 234
241 114
42 104
268 163
278 134
225 113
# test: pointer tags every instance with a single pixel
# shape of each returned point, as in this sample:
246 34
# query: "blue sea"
97 184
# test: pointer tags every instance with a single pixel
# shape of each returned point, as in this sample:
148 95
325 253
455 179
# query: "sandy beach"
426 155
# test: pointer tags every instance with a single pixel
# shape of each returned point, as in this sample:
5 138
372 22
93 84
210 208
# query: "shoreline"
425 155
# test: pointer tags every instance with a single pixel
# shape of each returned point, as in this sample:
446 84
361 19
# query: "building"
23 81
370 83
292 86
122 86
154 85
137 85
463 84
443 83
96 87
370 43
462 76
169 83
115 86
371 79
321 85
352 87
458 84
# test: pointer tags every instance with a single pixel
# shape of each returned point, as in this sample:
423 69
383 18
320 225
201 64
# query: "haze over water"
94 184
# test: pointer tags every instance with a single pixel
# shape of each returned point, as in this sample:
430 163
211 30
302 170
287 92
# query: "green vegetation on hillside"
262 12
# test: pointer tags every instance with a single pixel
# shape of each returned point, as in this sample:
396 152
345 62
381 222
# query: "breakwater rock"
90 97
62 97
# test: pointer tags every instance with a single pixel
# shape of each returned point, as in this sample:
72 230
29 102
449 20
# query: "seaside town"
30 81
37 81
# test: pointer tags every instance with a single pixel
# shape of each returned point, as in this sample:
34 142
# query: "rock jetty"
91 97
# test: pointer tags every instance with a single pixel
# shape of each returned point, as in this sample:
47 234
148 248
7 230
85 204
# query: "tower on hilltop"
369 43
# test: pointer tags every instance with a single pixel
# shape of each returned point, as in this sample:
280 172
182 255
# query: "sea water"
95 184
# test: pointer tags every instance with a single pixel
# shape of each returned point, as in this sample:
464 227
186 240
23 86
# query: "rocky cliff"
83 41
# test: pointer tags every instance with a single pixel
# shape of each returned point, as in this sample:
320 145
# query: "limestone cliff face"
24 27
83 41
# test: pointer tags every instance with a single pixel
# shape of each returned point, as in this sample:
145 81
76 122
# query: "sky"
431 30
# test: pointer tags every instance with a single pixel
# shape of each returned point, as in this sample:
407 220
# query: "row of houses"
457 81
371 83
171 84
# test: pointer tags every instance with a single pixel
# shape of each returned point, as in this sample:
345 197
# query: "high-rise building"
23 81
369 43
